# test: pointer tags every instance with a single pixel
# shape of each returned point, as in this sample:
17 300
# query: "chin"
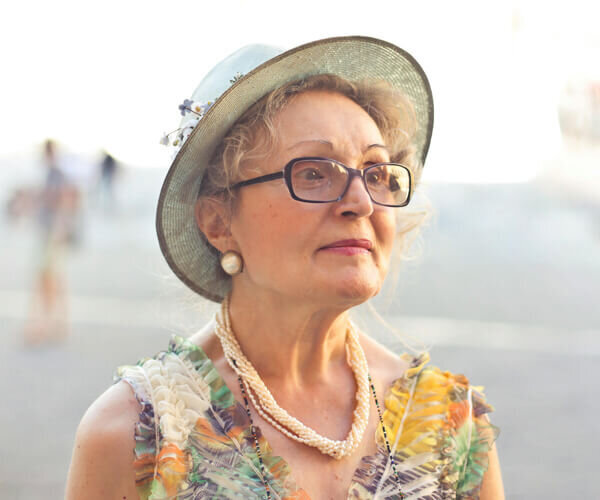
345 288
356 290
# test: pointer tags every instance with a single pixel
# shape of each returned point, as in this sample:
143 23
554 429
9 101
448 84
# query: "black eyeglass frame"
286 174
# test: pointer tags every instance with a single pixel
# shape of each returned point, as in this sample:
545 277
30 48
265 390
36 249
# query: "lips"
349 247
366 244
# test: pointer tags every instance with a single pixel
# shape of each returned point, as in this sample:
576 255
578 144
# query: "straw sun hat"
223 96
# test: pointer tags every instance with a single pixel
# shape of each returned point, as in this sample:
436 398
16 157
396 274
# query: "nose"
356 202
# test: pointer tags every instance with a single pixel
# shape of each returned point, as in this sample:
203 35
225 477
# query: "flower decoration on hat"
185 107
177 137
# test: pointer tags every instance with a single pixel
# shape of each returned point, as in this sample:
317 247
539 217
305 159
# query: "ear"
213 219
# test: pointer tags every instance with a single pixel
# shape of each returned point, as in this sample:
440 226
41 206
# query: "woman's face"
287 244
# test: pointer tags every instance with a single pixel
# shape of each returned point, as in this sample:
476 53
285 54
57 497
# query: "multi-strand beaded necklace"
267 407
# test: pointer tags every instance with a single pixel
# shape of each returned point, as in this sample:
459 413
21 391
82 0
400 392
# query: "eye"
311 171
310 174
375 176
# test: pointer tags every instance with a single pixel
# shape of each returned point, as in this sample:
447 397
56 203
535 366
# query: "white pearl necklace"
267 407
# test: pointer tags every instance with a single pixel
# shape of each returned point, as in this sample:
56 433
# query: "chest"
318 475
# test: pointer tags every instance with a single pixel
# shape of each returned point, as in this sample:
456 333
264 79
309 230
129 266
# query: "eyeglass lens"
325 181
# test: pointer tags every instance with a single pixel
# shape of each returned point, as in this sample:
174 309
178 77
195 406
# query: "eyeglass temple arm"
258 180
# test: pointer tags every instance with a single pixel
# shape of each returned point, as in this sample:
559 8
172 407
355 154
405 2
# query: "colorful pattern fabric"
193 440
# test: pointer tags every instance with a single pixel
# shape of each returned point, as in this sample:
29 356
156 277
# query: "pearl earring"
232 262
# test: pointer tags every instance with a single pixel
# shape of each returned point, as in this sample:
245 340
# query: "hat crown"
221 77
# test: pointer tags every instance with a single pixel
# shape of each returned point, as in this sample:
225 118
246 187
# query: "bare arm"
491 486
102 462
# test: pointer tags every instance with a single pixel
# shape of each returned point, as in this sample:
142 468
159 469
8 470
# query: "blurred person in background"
108 171
284 203
56 207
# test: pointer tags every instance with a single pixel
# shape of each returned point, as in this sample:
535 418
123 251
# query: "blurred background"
507 283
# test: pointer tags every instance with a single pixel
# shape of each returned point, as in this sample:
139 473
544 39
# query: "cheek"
385 227
256 228
268 230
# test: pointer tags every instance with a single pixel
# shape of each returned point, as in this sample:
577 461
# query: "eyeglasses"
321 180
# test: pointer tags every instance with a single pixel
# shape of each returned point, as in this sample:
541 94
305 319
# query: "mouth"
349 247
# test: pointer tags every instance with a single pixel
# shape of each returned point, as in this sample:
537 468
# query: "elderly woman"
284 203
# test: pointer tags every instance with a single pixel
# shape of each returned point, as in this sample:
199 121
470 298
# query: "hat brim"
354 58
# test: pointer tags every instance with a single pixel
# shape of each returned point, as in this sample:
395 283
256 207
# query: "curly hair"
254 134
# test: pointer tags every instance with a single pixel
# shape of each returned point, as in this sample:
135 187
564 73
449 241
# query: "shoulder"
492 487
102 461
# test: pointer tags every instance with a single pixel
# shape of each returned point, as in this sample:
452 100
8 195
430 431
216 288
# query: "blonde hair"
254 135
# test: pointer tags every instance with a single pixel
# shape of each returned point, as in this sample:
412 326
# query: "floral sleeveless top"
193 440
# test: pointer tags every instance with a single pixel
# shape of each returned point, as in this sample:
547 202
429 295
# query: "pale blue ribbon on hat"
242 61
214 84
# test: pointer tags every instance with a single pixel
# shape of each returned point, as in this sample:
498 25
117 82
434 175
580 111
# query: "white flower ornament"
177 137
197 110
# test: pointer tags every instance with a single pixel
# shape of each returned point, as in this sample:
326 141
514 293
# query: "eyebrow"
330 144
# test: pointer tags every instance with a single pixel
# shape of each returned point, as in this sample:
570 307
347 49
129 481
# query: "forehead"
318 117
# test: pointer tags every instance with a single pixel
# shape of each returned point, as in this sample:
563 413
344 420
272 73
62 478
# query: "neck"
292 344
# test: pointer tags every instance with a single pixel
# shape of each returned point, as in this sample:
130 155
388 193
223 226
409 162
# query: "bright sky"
110 74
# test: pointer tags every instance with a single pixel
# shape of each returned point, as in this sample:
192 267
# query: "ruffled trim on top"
146 431
161 464
203 435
